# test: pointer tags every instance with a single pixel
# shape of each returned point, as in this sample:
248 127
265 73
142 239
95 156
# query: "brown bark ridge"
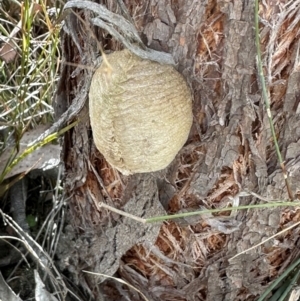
229 151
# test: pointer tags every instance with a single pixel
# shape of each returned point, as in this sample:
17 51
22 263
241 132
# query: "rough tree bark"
229 151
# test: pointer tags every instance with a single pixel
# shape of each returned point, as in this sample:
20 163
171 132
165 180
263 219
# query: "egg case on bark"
140 111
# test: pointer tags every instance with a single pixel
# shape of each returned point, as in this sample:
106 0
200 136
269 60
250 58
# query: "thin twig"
264 241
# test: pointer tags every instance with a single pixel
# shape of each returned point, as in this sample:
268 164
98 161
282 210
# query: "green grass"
29 63
28 78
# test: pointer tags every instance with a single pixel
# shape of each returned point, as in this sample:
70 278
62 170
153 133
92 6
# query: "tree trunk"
229 151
